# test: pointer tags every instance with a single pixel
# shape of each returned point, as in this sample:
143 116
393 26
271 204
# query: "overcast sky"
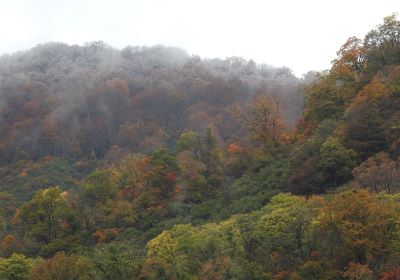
300 34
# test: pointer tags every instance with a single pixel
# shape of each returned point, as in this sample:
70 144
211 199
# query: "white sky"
301 34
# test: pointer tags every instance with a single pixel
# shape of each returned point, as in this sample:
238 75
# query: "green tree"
383 44
17 267
285 232
164 171
336 162
42 216
186 252
118 261
200 162
98 187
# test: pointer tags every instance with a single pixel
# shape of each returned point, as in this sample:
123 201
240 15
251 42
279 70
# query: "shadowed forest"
150 163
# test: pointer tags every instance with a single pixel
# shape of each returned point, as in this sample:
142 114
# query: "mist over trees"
73 101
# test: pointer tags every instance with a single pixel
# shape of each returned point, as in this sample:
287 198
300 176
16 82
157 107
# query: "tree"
359 228
165 169
9 244
167 255
323 101
393 274
17 267
99 186
364 130
378 173
356 271
387 33
106 196
285 232
42 216
200 145
134 172
351 62
199 160
316 270
263 119
383 44
186 252
118 260
336 162
64 267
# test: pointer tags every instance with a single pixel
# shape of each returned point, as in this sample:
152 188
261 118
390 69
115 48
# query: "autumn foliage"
149 163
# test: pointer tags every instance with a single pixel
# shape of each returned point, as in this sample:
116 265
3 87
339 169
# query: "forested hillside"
149 163
77 102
